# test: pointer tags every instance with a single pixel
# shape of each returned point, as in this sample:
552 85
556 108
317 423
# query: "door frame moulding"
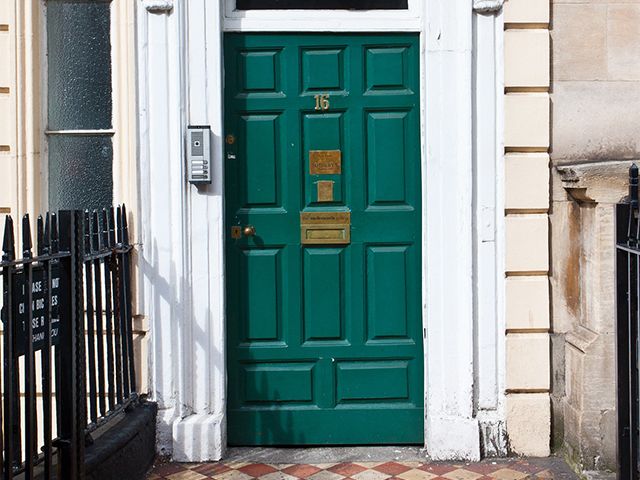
322 20
180 74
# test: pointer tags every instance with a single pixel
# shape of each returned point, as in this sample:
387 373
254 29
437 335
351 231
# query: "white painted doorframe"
180 68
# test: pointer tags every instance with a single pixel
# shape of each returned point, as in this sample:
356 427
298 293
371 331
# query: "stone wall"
526 79
595 136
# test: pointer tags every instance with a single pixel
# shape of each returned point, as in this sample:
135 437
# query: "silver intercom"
199 153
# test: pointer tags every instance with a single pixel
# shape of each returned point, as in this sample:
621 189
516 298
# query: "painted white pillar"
201 435
488 66
451 429
181 261
163 271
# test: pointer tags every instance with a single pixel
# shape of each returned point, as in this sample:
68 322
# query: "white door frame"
180 67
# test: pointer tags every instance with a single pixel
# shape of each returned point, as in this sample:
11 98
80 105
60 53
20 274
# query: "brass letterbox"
325 228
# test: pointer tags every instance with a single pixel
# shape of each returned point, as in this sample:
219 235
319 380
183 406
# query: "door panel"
262 276
323 285
387 288
324 340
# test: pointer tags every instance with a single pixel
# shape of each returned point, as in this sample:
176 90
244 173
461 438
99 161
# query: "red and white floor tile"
519 469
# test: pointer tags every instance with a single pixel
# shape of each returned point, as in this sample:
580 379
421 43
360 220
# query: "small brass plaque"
325 162
325 218
325 191
325 228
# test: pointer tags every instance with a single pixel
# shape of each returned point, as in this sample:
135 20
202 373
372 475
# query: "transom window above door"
322 4
323 15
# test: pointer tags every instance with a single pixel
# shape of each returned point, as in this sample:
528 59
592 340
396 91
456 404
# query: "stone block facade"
527 139
8 106
596 91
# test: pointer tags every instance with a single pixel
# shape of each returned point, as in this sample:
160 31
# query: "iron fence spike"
26 237
40 235
633 184
112 230
47 232
8 243
95 231
54 233
87 231
105 228
125 226
119 224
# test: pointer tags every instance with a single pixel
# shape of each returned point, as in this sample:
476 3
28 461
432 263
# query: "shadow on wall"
175 338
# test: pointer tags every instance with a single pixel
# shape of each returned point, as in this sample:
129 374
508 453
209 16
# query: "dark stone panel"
127 449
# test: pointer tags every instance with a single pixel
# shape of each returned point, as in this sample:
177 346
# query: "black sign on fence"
39 308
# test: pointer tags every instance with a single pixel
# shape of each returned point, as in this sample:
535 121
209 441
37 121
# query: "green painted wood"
387 289
323 284
367 381
324 342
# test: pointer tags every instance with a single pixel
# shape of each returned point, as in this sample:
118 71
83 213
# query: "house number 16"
322 102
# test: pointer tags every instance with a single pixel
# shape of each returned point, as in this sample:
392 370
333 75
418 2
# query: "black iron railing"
81 258
628 296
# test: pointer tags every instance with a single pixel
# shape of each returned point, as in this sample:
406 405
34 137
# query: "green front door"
323 257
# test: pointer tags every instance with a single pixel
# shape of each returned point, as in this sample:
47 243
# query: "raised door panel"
323 69
259 71
323 294
324 132
386 157
261 153
386 292
261 280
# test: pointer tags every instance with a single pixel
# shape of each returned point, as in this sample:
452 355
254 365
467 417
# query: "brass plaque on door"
325 190
325 228
325 162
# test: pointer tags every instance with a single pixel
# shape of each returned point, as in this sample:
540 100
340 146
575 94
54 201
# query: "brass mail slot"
322 228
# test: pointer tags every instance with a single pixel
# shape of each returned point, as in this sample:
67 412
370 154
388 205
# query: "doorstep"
364 463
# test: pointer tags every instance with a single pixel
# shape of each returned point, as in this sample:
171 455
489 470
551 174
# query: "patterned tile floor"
519 469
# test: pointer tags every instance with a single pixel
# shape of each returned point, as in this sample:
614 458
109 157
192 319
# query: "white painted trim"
180 82
42 181
323 20
205 236
162 257
485 6
451 429
102 132
489 245
158 6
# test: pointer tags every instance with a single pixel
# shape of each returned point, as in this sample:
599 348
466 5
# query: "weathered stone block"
529 423
527 181
7 122
579 36
6 60
527 303
623 42
527 361
526 55
527 243
526 11
526 120
594 121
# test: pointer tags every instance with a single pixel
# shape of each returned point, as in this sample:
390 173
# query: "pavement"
382 463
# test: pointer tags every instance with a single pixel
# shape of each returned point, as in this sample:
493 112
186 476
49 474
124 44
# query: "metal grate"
81 258
628 296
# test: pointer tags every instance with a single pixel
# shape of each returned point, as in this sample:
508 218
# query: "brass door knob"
249 231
